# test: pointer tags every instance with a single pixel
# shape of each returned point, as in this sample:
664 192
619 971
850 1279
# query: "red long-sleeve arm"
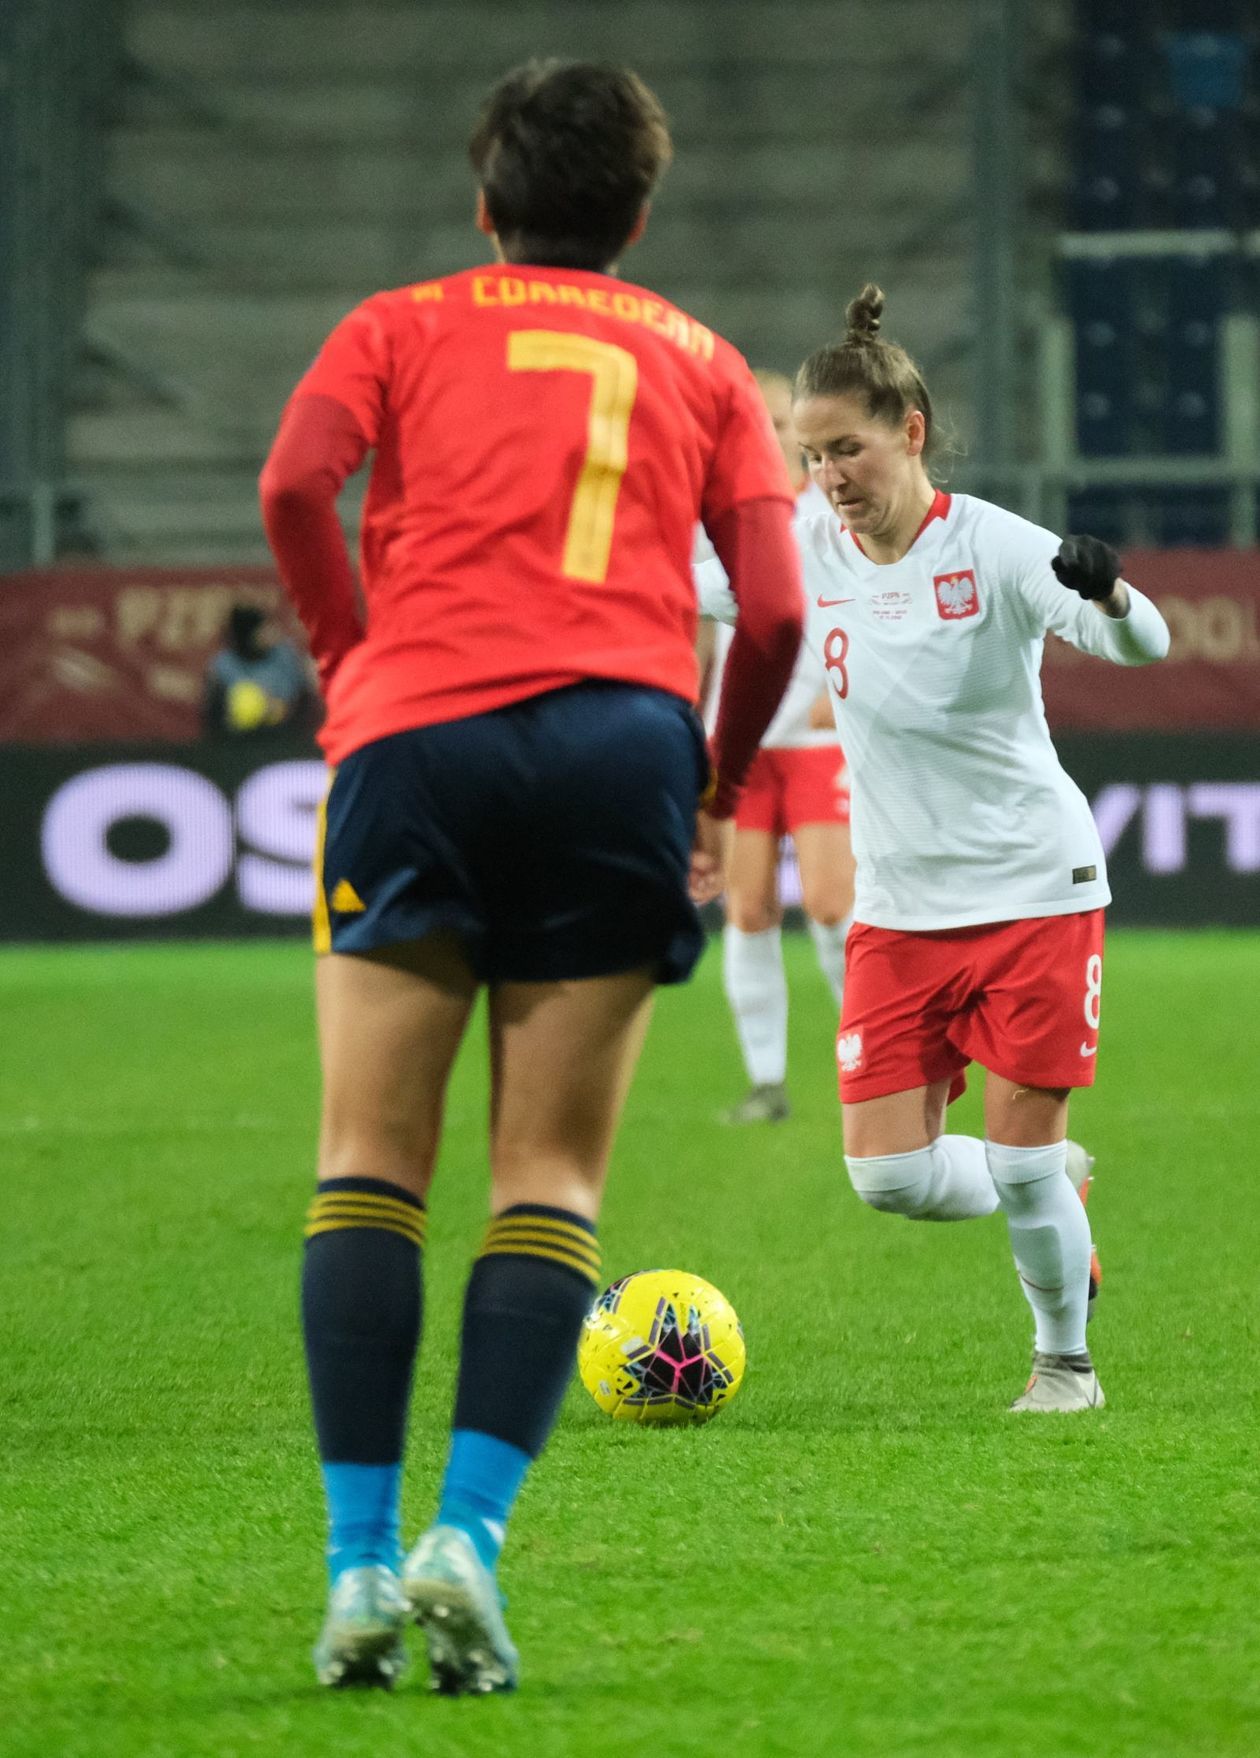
756 546
317 447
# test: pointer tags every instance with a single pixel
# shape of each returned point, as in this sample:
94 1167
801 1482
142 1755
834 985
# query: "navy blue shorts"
552 837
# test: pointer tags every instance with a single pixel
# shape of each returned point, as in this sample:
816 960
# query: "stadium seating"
1165 517
1196 517
1168 96
269 167
1109 183
277 164
1196 304
1101 299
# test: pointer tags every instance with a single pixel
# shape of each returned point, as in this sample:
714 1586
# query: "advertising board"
162 841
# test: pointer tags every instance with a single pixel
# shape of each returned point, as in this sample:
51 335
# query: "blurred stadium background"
1061 199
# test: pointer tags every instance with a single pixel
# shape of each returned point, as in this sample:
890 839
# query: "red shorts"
786 788
1020 998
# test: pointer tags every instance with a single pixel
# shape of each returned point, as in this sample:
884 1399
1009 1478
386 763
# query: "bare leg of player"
756 985
824 854
562 1055
389 1027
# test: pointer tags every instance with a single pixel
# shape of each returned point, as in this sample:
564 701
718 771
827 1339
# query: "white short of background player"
790 793
929 613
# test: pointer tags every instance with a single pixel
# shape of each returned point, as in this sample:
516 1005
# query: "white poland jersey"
790 729
962 813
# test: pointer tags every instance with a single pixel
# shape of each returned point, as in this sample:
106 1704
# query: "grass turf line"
863 1555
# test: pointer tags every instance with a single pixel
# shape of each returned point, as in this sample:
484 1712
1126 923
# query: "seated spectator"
256 681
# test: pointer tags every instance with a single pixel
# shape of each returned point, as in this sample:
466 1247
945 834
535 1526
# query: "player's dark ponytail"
863 314
864 365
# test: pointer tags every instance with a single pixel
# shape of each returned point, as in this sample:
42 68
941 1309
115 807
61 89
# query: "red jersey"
545 441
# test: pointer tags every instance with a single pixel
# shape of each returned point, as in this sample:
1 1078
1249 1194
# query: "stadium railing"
58 66
1127 493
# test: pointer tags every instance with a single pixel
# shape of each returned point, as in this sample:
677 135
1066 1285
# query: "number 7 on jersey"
615 375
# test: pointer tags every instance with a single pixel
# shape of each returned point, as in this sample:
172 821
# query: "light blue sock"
362 1516
483 1479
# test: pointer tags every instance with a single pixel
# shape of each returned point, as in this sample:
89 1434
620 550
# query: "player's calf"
528 1294
362 1303
1049 1240
1080 1169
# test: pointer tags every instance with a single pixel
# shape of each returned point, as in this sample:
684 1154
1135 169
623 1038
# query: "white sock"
756 987
828 938
1050 1240
946 1181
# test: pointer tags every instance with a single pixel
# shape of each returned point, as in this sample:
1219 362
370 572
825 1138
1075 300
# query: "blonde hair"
770 379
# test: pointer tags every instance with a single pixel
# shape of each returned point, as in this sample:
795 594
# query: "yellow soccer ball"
663 1348
248 706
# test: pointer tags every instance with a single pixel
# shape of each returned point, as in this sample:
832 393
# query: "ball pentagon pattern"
662 1348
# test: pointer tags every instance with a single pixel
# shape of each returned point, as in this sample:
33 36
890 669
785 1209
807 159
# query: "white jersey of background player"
796 725
796 787
980 876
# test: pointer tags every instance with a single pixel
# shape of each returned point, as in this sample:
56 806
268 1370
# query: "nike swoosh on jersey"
826 603
1087 1050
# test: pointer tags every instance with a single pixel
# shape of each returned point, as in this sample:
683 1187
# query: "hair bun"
863 314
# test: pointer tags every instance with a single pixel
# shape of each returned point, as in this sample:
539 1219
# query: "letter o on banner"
192 811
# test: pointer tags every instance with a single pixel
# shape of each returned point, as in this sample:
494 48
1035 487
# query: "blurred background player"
257 681
796 787
517 769
981 880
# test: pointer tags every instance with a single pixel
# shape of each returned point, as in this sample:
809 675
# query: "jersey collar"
939 509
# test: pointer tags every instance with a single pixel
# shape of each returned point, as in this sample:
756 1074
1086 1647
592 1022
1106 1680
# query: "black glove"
1087 565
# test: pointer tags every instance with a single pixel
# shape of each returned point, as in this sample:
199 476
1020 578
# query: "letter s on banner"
192 811
275 811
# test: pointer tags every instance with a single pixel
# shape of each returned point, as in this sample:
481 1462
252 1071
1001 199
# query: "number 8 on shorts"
1093 990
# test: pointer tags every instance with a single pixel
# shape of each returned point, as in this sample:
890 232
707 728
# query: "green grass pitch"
864 1556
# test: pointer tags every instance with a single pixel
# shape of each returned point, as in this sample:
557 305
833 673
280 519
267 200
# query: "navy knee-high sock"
362 1302
527 1296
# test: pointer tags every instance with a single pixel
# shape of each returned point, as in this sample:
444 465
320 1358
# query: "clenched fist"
1087 565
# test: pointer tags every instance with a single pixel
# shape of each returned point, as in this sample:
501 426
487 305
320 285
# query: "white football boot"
1061 1382
767 1103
